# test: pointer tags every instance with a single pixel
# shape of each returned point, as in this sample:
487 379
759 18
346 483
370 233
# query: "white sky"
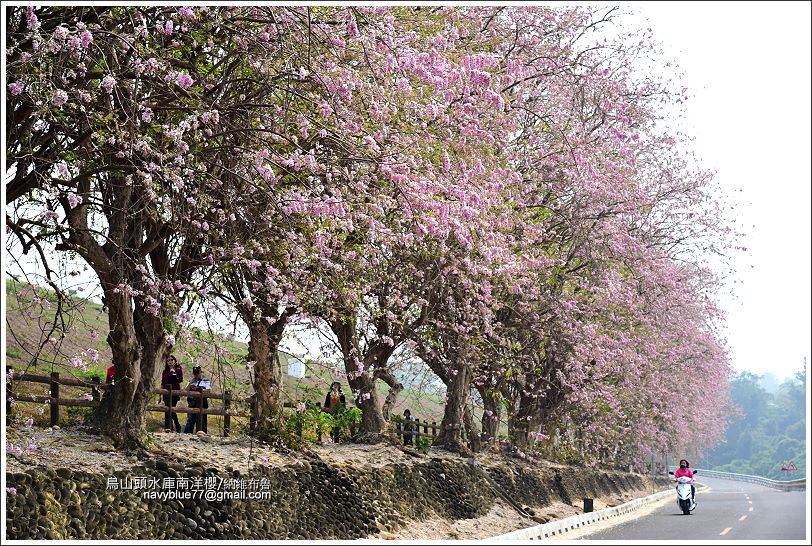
747 65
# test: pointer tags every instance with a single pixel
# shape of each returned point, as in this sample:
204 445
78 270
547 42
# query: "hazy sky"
748 66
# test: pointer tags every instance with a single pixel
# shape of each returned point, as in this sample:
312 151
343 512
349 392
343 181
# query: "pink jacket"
684 472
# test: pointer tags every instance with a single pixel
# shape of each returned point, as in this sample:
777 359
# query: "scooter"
685 500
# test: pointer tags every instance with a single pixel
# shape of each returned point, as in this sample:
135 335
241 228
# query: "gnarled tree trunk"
138 343
268 381
458 389
490 415
474 440
374 423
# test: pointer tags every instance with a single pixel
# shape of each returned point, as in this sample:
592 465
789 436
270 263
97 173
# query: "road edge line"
545 530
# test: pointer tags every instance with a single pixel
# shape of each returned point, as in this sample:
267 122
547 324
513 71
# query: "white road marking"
726 531
742 518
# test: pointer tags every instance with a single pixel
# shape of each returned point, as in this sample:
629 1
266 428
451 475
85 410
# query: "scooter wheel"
686 506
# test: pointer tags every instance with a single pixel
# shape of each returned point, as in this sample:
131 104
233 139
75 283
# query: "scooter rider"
685 470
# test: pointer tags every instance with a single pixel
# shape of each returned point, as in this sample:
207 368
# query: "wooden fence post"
168 412
227 416
434 430
54 398
199 416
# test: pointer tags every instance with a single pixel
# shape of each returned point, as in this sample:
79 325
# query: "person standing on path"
170 379
199 384
407 425
333 403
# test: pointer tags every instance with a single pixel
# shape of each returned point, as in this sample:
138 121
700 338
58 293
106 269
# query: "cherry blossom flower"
74 200
31 19
86 38
184 81
59 97
16 88
108 82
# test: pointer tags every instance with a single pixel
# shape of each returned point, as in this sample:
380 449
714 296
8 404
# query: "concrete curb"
540 532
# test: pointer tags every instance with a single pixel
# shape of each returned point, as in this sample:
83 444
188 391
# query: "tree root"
454 446
369 438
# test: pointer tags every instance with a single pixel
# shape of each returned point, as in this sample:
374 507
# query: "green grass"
13 352
91 373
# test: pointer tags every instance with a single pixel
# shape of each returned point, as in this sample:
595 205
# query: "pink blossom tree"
143 125
491 184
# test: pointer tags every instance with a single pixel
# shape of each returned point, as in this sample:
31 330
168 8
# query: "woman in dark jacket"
335 398
334 401
170 379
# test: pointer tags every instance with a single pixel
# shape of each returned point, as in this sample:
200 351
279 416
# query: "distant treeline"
770 432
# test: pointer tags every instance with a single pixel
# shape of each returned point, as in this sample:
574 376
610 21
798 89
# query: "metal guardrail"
792 485
545 530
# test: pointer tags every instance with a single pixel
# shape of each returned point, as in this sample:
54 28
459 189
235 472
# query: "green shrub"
346 421
422 443
314 424
311 422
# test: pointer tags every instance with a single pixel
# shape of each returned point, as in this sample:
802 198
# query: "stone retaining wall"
313 501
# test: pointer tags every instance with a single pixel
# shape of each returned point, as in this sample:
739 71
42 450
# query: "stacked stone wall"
311 501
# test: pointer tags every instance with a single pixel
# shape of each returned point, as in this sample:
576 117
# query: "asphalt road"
726 510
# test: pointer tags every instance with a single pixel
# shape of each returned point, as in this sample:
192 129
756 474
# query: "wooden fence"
96 388
416 425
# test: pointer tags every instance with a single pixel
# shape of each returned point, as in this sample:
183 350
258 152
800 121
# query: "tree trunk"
490 417
373 421
139 347
458 390
518 428
267 380
394 389
474 441
374 425
268 384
